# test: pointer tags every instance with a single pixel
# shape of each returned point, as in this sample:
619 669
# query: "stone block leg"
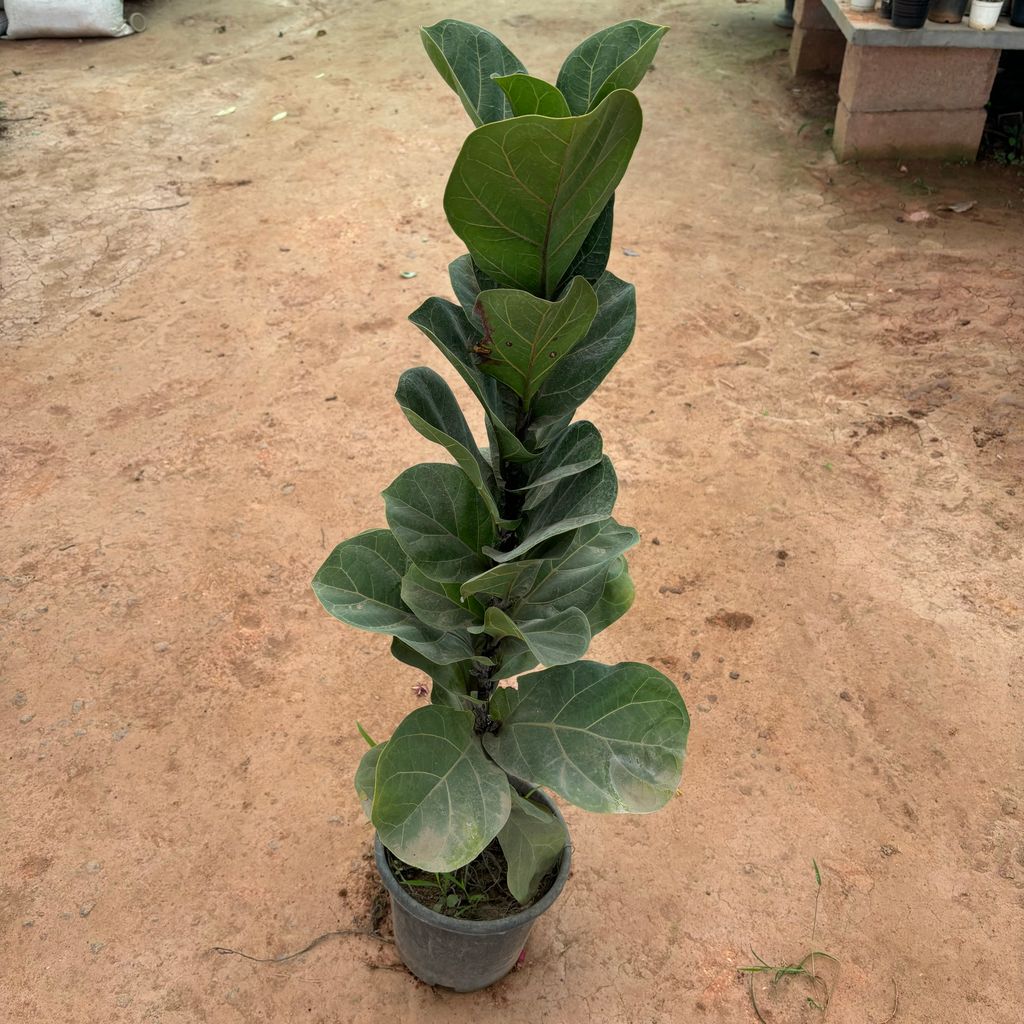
926 102
817 45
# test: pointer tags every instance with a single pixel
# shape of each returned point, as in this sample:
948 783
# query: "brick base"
927 134
816 50
880 78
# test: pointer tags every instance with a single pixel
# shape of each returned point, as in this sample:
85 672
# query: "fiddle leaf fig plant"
507 558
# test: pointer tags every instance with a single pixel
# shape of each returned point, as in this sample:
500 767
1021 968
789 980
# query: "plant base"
455 953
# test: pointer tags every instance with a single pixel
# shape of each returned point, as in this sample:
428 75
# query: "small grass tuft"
801 970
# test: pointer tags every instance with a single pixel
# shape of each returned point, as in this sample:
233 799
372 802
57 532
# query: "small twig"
895 1003
154 209
725 383
345 932
15 120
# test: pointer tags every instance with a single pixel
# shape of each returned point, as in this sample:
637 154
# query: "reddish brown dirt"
819 431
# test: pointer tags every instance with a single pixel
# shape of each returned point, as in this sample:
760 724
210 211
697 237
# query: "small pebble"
97 946
686 677
93 866
119 734
25 719
748 869
288 489
888 849
655 541
77 706
19 700
695 656
845 695
734 675
1009 805
86 909
162 646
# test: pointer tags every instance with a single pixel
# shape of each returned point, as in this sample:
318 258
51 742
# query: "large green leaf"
438 604
447 326
507 582
366 776
616 598
361 584
615 58
592 259
575 501
430 406
524 193
440 521
533 841
438 799
466 57
575 450
577 376
558 639
526 337
604 737
574 570
529 95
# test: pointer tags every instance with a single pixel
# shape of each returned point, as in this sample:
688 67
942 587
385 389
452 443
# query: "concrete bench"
902 92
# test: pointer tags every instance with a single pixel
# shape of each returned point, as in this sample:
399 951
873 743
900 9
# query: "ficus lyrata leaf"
526 337
606 737
466 57
524 193
615 58
438 800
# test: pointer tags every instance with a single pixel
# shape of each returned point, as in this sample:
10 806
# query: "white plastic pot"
862 5
984 13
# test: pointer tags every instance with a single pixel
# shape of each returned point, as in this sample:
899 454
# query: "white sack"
33 19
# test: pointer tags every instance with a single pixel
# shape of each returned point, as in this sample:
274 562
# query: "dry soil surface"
819 430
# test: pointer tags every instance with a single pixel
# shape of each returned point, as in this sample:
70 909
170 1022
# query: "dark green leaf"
440 521
605 737
592 259
577 449
430 406
506 582
361 582
616 598
533 841
438 799
558 639
615 58
575 501
527 337
446 325
574 569
582 370
529 95
438 604
524 193
503 702
466 57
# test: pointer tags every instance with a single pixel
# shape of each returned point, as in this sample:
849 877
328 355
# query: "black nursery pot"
463 955
1017 13
947 12
909 13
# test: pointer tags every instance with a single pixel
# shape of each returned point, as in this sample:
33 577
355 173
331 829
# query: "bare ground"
819 430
